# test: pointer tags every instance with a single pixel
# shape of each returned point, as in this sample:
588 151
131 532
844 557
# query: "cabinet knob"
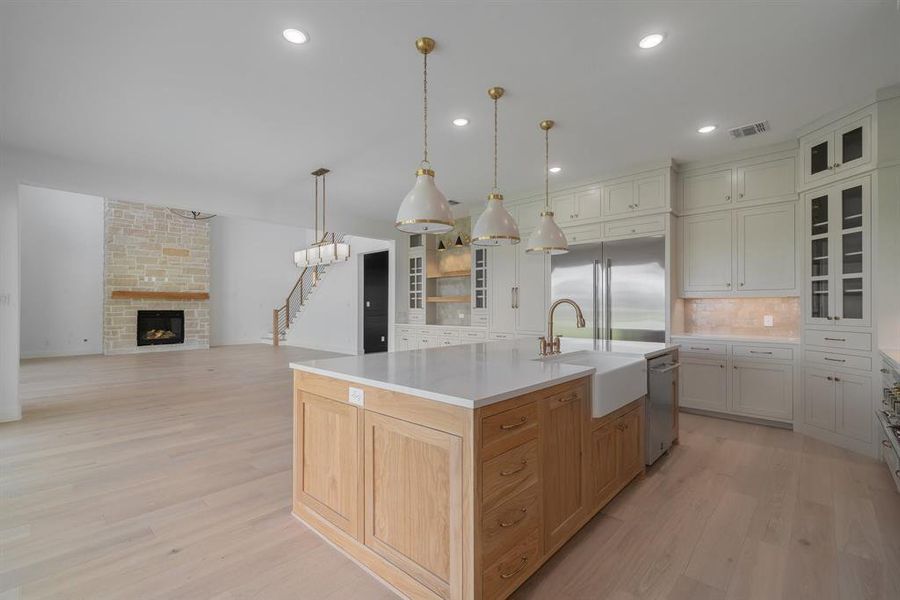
721 366
741 195
727 198
837 318
632 231
837 378
836 165
829 317
735 366
829 378
728 285
742 284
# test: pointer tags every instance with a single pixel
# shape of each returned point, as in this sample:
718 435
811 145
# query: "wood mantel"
148 295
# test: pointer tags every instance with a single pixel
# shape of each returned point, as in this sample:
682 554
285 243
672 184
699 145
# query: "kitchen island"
456 472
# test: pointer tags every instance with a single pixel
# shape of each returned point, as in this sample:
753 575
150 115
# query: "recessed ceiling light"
295 36
461 122
651 41
555 169
707 129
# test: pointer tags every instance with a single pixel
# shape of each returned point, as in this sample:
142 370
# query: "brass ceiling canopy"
425 45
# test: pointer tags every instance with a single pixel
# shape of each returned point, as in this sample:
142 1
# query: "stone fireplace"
156 270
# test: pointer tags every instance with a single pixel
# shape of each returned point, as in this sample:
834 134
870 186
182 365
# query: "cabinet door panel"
851 205
531 295
328 467
649 193
618 199
604 464
770 179
502 283
703 384
818 154
763 390
413 499
706 248
766 247
631 449
587 204
527 215
563 208
852 144
707 190
854 406
819 399
562 432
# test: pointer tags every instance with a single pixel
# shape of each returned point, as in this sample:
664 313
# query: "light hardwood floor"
168 476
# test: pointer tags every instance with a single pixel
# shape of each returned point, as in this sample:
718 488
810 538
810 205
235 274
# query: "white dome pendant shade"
425 209
547 237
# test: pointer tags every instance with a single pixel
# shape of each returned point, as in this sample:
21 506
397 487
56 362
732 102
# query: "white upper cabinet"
527 216
650 193
643 194
838 254
706 252
766 248
564 208
502 287
837 150
532 271
707 190
766 179
618 199
588 205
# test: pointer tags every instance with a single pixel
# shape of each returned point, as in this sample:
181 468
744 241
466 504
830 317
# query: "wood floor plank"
167 475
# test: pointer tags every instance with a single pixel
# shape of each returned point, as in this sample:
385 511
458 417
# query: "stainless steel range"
889 416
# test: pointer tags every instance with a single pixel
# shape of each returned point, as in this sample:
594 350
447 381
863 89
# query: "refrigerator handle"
596 304
608 299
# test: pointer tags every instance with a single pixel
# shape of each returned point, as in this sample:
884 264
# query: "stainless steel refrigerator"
620 286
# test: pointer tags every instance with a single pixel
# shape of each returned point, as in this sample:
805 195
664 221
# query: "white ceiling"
210 91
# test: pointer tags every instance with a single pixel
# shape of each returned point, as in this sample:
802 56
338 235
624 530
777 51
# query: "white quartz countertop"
472 375
750 339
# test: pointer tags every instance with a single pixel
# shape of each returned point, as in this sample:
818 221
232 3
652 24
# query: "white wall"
10 408
61 272
331 320
252 273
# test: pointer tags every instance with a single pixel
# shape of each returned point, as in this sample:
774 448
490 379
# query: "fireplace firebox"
160 327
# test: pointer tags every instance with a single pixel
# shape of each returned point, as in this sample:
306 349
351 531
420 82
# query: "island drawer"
473 335
508 424
703 348
505 574
508 473
846 340
502 525
767 352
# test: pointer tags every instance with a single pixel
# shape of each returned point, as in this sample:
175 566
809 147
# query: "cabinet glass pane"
851 207
819 299
852 145
818 158
819 257
479 299
415 240
852 298
819 213
852 252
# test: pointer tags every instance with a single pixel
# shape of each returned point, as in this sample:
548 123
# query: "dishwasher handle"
666 369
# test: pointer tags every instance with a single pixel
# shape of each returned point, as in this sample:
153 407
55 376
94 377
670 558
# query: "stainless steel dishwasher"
659 413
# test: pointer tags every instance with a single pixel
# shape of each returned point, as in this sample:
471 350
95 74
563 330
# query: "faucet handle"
556 345
543 342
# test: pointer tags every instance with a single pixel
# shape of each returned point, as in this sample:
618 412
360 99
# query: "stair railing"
309 277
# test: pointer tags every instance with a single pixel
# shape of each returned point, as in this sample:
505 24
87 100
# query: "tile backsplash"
742 316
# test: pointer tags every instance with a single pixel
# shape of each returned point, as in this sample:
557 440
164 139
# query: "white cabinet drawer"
446 341
839 361
480 319
838 339
445 333
635 226
473 335
496 335
763 352
405 330
703 348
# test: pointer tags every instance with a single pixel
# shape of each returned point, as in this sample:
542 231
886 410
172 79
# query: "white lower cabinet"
763 389
703 383
838 402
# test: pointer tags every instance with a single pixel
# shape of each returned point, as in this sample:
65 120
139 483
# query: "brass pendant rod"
547 168
425 105
316 227
495 146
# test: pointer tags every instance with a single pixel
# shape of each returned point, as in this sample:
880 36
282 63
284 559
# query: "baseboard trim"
738 418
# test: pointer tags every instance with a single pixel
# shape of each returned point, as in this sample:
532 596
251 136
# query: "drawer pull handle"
759 352
522 562
516 470
836 339
524 512
569 399
507 427
840 360
885 443
698 348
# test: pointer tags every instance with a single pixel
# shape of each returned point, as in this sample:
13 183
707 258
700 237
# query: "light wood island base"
442 501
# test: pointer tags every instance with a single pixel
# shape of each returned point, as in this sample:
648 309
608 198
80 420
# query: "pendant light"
321 251
547 238
424 209
495 226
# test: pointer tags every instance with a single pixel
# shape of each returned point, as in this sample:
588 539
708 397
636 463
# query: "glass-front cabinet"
416 291
838 229
479 285
835 150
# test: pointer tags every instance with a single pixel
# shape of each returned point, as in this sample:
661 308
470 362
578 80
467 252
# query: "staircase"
299 296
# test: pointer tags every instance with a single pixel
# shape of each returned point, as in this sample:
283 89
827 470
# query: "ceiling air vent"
751 129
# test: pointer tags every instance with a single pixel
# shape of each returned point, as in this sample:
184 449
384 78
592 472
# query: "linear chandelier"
322 251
